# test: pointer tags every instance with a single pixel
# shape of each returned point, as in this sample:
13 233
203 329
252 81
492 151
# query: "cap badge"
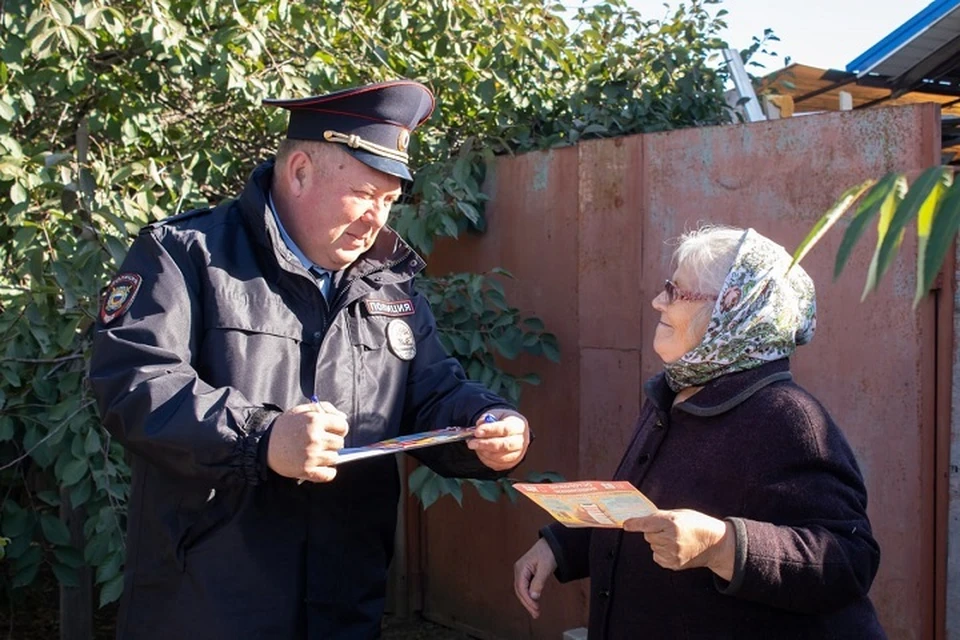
403 140
119 296
400 339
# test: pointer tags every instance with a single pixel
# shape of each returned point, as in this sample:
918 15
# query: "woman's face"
683 323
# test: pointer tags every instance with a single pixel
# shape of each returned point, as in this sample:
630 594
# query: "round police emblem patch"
119 296
400 339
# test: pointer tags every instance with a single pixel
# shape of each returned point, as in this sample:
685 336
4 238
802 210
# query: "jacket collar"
390 258
720 394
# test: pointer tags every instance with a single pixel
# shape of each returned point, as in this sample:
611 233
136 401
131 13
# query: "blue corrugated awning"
934 27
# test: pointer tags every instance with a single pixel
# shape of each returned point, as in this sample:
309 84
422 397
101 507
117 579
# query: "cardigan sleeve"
804 542
571 549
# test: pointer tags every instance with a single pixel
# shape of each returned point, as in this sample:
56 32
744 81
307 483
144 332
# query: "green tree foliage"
114 114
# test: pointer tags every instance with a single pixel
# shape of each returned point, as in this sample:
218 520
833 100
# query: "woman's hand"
530 574
685 539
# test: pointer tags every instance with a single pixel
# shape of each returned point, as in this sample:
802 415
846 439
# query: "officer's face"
343 207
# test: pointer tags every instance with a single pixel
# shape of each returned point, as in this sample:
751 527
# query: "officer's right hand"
304 442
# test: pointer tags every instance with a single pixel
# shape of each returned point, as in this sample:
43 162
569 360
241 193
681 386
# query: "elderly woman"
762 530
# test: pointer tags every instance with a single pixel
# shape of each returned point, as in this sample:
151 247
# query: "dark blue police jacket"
213 327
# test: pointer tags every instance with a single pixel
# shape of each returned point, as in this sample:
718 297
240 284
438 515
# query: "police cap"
372 122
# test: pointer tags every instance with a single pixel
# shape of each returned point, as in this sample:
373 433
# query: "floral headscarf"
763 313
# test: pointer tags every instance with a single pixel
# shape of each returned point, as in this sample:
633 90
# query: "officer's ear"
296 172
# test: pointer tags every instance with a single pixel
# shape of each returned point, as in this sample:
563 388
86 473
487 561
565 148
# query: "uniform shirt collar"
307 263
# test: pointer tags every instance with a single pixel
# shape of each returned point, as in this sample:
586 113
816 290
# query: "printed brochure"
590 503
406 443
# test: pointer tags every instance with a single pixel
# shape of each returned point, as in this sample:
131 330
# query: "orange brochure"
589 503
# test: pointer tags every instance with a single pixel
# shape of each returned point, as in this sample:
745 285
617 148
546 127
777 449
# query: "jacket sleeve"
806 544
439 395
149 395
571 550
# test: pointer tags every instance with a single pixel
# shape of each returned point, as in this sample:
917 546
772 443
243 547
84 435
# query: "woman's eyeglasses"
675 293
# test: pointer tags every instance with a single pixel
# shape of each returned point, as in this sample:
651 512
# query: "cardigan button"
604 593
658 424
643 459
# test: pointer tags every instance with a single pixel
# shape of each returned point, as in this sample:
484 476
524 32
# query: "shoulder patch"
119 296
392 308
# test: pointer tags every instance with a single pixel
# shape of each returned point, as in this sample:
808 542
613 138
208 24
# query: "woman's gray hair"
708 253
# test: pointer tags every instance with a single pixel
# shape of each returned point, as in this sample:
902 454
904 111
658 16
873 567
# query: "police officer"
221 326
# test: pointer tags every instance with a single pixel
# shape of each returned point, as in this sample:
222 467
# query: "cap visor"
386 165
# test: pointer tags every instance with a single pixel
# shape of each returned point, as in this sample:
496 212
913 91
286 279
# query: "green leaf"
888 209
6 429
116 248
417 478
488 489
868 208
6 111
66 575
109 569
507 485
111 591
828 219
73 471
50 497
923 194
92 443
69 556
17 193
453 487
936 240
54 530
26 572
60 13
16 521
80 494
429 492
550 347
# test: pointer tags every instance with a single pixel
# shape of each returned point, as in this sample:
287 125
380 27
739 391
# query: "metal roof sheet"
935 26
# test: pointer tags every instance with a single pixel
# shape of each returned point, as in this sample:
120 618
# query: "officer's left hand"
501 444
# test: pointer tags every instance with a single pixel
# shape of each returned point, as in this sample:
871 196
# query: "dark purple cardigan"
754 448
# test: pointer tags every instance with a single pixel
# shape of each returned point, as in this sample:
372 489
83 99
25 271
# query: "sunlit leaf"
888 208
934 245
923 195
828 219
867 209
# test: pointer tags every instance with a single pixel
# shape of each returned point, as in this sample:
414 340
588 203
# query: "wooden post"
76 603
